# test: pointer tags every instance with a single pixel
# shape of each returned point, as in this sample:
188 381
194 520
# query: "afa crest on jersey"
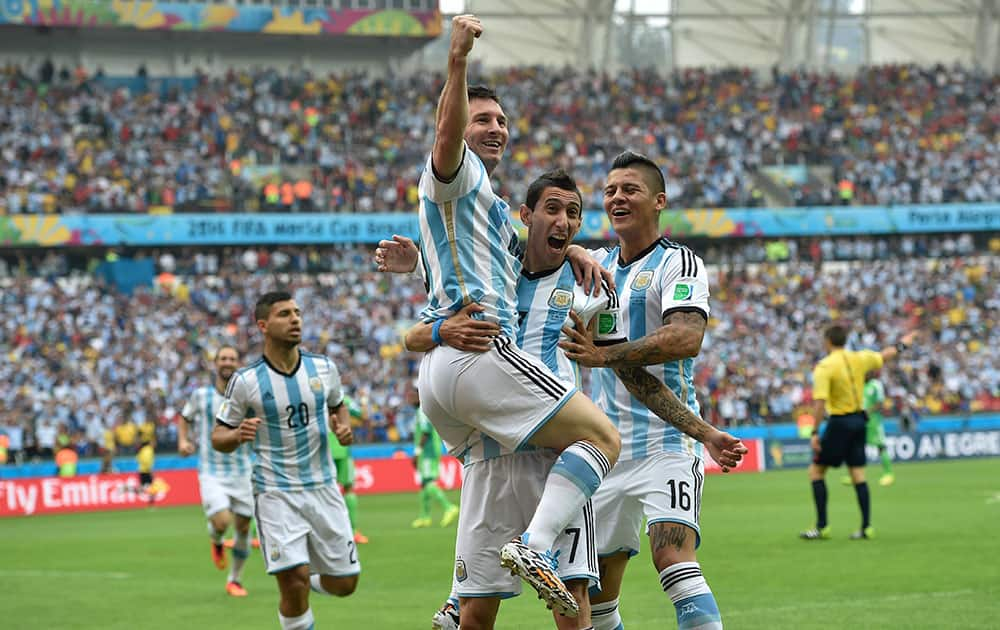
461 573
642 280
316 384
561 298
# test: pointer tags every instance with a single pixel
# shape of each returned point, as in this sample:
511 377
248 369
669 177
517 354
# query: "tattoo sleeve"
679 338
662 401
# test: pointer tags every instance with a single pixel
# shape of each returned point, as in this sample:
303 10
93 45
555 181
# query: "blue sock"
605 616
692 598
574 478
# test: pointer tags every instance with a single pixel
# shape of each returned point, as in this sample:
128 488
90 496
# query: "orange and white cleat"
235 589
219 557
360 538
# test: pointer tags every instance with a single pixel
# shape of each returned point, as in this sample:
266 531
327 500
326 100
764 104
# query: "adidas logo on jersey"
268 395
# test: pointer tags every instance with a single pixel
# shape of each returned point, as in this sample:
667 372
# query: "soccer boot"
538 570
816 534
887 479
423 521
219 557
450 516
446 618
235 589
864 534
359 538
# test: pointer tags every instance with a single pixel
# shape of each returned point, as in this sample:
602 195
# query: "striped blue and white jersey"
200 412
544 303
665 278
468 246
292 443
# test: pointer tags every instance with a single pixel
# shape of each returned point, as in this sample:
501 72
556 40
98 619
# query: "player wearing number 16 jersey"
286 403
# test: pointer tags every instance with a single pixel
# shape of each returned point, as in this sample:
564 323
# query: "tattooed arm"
661 400
679 338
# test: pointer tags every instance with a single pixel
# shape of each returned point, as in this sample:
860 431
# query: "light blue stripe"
449 278
524 443
637 330
605 382
579 471
301 433
697 611
506 268
464 214
525 298
554 321
322 415
273 421
208 455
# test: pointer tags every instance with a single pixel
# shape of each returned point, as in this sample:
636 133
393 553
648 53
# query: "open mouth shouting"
557 242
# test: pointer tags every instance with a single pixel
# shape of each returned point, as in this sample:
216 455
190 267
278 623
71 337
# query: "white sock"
216 536
241 549
605 616
317 585
302 622
574 477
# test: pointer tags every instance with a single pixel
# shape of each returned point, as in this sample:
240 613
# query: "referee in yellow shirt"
838 388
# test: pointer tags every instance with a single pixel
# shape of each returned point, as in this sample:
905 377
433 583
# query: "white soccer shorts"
499 497
226 493
306 527
664 487
504 393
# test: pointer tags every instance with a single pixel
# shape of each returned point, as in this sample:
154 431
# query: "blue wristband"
436 332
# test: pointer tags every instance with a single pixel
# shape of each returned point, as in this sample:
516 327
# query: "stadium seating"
356 143
84 356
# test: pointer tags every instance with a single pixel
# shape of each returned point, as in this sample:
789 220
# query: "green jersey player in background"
345 470
873 399
427 461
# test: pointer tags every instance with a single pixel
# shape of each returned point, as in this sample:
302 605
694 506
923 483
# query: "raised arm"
453 107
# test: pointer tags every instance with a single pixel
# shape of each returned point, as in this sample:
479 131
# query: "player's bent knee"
341 586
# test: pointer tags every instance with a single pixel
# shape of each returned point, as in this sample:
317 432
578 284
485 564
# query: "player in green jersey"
427 460
874 396
345 471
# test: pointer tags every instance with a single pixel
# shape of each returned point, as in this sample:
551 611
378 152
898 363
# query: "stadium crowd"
95 367
356 142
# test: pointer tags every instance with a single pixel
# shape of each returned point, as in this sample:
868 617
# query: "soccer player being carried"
548 301
469 257
223 478
427 461
286 404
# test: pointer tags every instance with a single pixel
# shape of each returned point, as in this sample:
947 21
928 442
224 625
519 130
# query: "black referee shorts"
843 441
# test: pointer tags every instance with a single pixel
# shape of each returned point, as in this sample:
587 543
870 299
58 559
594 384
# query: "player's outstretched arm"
227 439
905 342
453 107
460 331
397 255
724 448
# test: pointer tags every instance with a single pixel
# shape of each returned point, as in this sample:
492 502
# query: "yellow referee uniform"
839 381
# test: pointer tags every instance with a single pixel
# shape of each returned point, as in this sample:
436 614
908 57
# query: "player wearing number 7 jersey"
286 403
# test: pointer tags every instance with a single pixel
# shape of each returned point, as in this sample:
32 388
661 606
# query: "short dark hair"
482 91
836 334
556 178
629 159
266 301
228 347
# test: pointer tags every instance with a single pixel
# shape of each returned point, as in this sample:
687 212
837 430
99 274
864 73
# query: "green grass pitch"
935 564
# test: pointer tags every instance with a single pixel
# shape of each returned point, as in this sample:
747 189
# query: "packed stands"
82 358
356 142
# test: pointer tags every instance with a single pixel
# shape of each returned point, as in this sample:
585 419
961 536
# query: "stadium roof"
825 34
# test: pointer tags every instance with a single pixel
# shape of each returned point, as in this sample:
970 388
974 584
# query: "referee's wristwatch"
900 347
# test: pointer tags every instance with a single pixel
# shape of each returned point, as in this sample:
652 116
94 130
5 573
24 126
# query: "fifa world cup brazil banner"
206 15
138 230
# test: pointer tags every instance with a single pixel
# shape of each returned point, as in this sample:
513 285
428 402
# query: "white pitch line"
44 573
845 603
